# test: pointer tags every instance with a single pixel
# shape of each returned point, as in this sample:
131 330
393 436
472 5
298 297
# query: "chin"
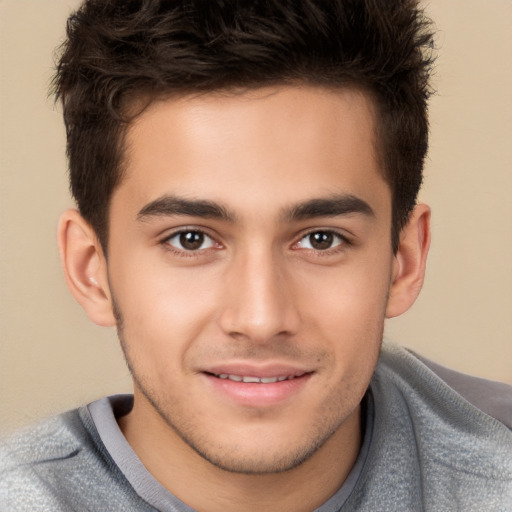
258 463
261 452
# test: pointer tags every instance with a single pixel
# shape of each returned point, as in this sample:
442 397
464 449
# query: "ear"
85 267
409 262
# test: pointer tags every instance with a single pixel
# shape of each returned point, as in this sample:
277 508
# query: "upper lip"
257 370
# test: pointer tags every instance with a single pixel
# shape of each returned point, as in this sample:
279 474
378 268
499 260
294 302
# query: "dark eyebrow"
332 206
171 205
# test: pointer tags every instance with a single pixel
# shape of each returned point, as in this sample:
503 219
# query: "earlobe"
85 267
409 262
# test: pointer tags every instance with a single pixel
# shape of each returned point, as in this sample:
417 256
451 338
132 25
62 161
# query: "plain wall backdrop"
52 357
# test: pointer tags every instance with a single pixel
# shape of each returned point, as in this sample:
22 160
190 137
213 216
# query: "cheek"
349 296
164 310
347 309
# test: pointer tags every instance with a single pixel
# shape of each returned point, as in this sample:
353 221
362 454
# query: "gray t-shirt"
104 413
426 447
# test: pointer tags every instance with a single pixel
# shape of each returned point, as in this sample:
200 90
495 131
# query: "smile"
257 387
260 380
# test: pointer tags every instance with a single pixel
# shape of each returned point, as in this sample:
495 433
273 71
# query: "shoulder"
61 464
30 461
432 445
492 397
437 385
57 438
449 430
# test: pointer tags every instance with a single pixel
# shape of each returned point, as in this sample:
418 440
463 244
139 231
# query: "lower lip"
254 394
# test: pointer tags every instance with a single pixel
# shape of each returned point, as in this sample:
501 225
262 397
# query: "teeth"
250 379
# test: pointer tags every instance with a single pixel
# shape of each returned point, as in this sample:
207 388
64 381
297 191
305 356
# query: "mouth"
251 379
257 387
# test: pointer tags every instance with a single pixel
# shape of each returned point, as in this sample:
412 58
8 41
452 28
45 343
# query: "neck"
205 487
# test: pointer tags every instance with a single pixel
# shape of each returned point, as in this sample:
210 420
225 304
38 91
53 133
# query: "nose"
258 300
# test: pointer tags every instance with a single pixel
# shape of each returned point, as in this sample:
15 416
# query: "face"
250 262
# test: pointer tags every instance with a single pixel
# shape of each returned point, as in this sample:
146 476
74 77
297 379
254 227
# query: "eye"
190 241
321 240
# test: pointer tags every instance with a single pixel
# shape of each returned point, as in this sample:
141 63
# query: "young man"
246 175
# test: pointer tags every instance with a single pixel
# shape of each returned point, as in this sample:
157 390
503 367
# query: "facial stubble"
327 422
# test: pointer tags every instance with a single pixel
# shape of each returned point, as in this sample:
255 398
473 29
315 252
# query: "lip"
257 394
257 370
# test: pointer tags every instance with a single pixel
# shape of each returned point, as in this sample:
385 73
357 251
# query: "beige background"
52 357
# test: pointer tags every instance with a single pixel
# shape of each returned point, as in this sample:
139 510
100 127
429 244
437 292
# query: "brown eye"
190 241
321 240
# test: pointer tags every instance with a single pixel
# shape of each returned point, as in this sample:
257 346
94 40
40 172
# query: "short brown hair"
121 49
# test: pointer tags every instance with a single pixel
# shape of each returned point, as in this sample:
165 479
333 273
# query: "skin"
272 286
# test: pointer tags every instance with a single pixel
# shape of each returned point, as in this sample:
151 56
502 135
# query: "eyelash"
344 243
188 253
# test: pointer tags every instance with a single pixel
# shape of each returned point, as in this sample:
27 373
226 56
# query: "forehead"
277 145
